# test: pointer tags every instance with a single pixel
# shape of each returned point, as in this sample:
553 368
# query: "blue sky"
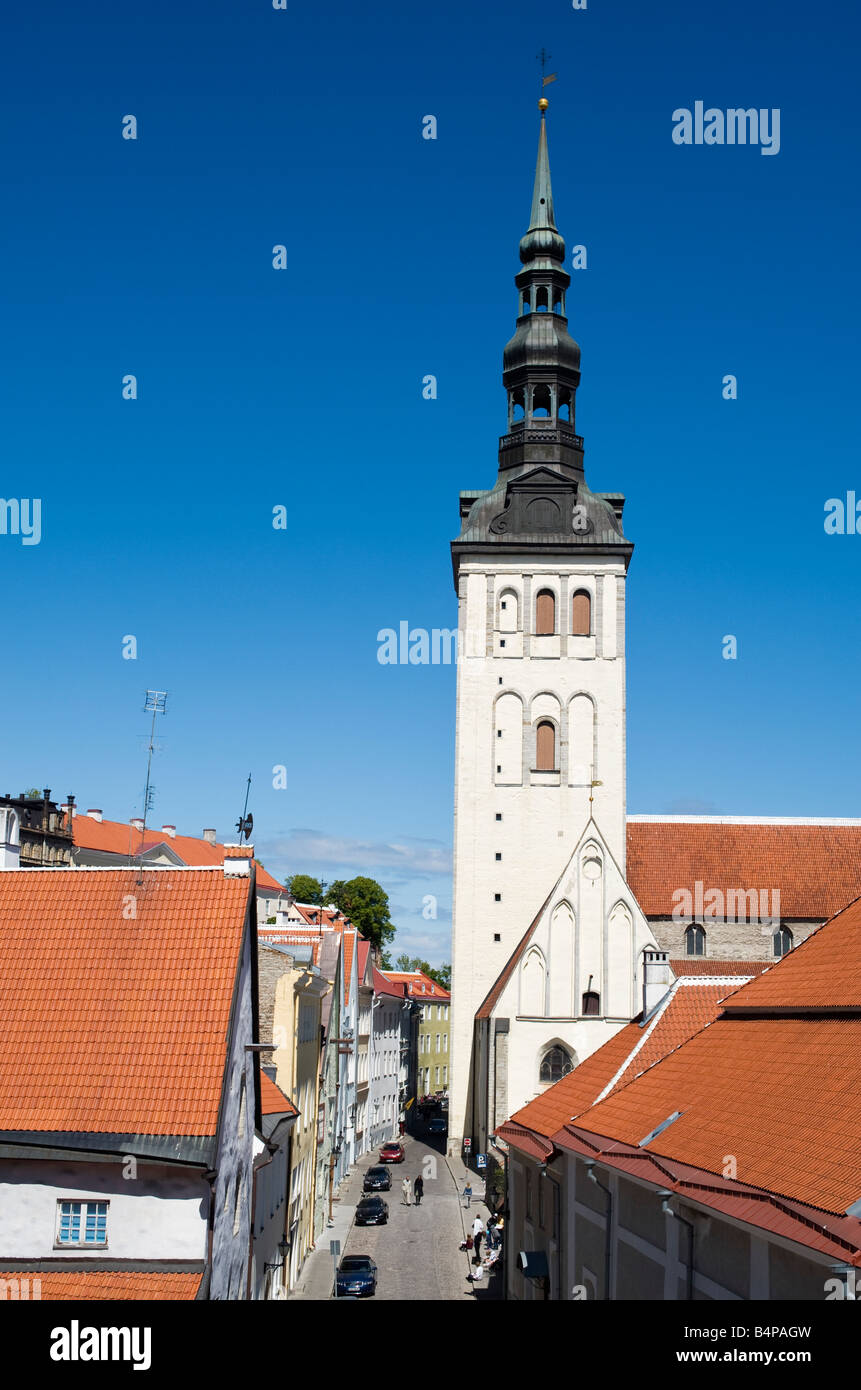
302 387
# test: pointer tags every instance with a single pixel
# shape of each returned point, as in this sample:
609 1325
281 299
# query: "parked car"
438 1125
392 1153
357 1276
377 1179
372 1211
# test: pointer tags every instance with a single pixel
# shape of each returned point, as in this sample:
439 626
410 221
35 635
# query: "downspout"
590 1169
211 1177
665 1207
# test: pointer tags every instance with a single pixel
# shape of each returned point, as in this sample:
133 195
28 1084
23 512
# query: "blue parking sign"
481 1160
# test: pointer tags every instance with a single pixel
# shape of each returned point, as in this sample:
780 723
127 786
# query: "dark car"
392 1152
372 1211
356 1277
438 1125
377 1179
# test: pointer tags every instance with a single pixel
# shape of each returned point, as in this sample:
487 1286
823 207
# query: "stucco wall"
155 1212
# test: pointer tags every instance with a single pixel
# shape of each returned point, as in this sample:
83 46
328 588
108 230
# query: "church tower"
539 568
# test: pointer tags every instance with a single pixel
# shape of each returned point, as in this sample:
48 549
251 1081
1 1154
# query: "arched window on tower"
541 299
518 404
545 747
695 940
782 941
581 614
526 300
558 301
545 613
556 1063
564 411
541 402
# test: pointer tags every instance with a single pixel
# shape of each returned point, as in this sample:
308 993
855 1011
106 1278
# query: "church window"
782 941
496 936
695 940
555 1064
581 614
518 401
541 299
565 405
499 815
545 613
545 747
499 856
558 301
591 1003
497 897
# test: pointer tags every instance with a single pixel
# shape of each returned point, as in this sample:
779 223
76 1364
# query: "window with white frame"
82 1223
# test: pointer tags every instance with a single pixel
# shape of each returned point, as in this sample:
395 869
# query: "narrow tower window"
695 940
581 614
591 1002
541 299
545 613
545 741
541 402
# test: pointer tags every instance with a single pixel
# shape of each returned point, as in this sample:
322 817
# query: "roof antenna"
245 824
155 703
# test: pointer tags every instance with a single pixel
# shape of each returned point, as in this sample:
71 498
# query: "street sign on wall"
467 1144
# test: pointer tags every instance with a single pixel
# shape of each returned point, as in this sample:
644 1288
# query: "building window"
581 614
782 941
436 1070
496 936
555 1064
445 1042
591 1002
445 1076
497 897
437 1042
499 815
695 940
545 747
498 857
545 613
82 1223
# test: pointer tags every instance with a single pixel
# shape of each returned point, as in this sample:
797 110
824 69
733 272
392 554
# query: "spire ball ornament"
543 103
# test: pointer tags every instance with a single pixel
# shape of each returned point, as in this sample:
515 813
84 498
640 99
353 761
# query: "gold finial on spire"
543 103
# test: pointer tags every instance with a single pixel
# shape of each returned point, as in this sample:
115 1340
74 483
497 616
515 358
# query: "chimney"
169 830
136 823
657 979
209 836
237 861
96 815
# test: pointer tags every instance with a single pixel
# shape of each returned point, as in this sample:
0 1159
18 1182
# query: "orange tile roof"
414 979
689 1005
272 1099
384 985
823 971
816 868
91 1284
349 947
119 837
705 965
100 1009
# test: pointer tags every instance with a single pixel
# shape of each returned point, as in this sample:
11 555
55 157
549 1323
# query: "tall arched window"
581 614
545 747
555 1064
545 613
782 941
695 940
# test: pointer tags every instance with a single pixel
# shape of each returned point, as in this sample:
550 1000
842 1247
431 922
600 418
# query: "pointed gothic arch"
533 983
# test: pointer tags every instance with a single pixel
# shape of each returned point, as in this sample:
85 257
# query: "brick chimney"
209 836
96 814
657 978
169 830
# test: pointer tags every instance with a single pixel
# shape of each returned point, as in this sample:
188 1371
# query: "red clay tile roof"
272 1099
824 971
383 985
705 965
120 838
349 939
414 979
580 1088
87 1285
816 868
100 1009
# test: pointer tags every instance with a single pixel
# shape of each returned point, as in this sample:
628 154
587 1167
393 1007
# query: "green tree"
367 906
304 888
33 794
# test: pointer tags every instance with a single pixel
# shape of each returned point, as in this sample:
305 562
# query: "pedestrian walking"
406 1190
477 1233
467 1195
419 1189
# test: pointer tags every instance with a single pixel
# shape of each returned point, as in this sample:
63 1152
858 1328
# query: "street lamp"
283 1251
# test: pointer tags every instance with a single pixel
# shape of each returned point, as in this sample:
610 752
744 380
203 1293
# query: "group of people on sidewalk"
490 1232
408 1191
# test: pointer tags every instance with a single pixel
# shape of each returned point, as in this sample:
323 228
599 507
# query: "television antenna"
245 824
155 703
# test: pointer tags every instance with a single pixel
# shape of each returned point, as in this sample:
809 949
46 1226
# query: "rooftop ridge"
642 818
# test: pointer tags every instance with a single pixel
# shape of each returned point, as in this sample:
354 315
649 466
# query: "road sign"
467 1144
481 1160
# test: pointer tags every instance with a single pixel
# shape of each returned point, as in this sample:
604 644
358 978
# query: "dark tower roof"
540 497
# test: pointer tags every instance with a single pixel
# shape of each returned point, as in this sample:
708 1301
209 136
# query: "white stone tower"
540 569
